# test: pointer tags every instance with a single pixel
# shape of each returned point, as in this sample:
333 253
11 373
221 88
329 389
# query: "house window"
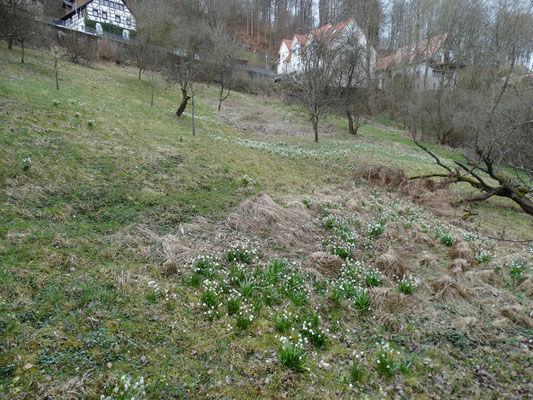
436 73
128 21
104 15
104 3
95 13
117 19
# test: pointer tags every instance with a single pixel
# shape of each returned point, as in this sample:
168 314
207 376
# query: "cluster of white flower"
376 229
483 256
387 359
154 286
314 333
300 343
126 390
25 163
407 284
245 315
358 355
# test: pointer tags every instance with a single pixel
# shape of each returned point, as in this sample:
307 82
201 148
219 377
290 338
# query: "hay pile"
292 228
428 259
458 266
518 316
527 287
388 305
461 250
385 176
448 289
473 329
325 263
391 264
486 276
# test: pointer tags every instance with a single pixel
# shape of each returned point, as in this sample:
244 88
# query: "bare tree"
17 22
189 69
315 86
222 61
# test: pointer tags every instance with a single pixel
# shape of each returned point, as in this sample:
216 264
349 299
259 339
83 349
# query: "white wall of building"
102 11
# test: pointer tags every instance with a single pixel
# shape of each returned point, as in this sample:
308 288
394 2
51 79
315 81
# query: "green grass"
77 306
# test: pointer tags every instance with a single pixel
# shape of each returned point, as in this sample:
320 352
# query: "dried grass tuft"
290 227
385 176
527 287
391 264
462 250
487 276
517 315
448 289
325 263
388 306
428 259
459 264
473 329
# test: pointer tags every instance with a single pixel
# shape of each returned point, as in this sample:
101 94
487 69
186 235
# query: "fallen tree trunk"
471 173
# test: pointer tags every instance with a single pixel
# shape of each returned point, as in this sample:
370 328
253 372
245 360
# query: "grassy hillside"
106 204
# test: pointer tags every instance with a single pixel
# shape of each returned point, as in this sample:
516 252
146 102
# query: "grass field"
87 299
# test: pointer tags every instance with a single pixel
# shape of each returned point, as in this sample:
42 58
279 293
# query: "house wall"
114 12
283 54
102 11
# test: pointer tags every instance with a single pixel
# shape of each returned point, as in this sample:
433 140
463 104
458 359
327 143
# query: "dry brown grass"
388 306
391 264
462 250
517 315
324 263
290 227
448 289
474 329
527 287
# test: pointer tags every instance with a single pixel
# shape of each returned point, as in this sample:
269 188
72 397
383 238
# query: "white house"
336 35
284 54
99 13
422 62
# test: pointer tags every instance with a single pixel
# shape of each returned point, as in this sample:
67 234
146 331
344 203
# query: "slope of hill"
245 262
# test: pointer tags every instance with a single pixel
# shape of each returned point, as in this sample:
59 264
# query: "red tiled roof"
422 51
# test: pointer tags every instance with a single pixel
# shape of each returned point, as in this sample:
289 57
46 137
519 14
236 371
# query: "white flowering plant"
483 256
126 390
407 284
25 164
292 353
387 360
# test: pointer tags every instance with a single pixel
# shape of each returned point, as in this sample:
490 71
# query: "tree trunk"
140 72
192 113
22 53
315 128
57 77
350 122
152 81
10 44
184 100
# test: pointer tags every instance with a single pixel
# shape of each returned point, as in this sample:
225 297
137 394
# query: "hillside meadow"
246 262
